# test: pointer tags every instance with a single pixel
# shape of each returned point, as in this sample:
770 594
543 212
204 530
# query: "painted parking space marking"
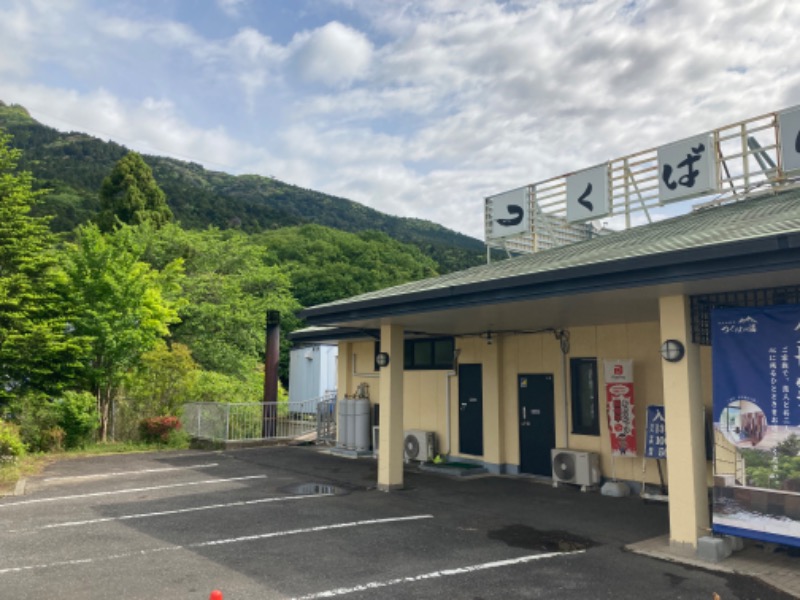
373 585
212 543
132 490
172 512
126 473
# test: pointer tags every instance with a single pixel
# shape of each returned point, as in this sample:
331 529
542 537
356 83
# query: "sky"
418 108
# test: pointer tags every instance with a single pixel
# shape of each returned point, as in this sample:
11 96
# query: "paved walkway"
777 569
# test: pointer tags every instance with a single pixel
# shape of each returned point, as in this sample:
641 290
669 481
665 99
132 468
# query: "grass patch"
31 464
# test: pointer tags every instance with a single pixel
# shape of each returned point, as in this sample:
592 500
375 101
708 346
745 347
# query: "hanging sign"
656 441
756 389
619 407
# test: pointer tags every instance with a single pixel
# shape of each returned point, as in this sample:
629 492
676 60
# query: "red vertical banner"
619 407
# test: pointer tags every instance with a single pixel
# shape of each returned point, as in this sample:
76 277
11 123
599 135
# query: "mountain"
72 167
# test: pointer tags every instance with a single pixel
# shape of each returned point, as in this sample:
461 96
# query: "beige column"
344 380
684 414
492 394
390 456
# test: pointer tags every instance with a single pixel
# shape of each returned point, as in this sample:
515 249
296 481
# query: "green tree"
326 264
121 303
37 349
131 195
789 447
229 287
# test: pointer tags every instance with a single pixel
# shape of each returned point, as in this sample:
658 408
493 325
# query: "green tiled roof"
762 217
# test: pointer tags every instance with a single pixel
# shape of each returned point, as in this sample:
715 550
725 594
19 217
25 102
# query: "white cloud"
334 54
231 8
417 107
152 126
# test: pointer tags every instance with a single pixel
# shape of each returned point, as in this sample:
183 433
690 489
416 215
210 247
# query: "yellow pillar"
492 417
684 415
344 381
390 456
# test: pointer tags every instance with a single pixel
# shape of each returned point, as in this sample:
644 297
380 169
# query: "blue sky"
418 108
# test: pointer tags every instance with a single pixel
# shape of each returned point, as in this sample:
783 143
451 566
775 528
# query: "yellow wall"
425 401
359 367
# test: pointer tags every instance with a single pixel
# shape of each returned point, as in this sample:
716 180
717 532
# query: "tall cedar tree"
38 348
131 195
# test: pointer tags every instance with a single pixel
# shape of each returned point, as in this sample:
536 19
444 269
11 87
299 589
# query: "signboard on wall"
510 214
656 441
756 390
619 407
587 194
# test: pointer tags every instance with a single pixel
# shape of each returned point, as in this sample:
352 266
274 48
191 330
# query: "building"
504 362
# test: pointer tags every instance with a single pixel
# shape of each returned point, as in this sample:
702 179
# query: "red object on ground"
215 595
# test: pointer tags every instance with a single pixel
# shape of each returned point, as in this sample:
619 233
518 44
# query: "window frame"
576 398
409 354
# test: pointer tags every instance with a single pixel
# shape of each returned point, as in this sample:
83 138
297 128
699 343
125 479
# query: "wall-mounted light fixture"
382 359
672 350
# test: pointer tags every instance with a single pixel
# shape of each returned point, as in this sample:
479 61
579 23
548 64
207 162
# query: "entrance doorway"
470 409
537 429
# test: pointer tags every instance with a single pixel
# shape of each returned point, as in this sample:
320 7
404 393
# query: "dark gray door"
470 409
537 429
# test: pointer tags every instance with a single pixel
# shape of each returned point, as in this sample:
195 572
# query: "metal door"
537 430
470 409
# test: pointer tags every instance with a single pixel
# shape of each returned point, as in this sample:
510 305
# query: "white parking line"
372 585
132 490
170 512
123 473
246 538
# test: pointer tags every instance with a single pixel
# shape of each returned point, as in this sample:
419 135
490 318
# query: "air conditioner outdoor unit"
419 445
575 466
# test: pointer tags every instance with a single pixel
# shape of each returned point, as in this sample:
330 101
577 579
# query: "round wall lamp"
672 350
382 359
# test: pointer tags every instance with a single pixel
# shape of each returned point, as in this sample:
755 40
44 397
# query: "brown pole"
271 360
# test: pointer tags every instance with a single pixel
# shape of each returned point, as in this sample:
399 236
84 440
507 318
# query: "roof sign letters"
509 214
687 169
587 194
789 127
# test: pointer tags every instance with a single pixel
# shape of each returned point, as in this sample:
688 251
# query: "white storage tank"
361 424
351 425
345 408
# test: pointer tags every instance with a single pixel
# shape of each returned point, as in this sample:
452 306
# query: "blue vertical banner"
656 441
756 390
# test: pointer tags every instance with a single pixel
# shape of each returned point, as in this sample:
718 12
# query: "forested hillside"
72 166
126 317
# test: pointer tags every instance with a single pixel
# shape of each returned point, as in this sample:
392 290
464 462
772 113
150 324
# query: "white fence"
239 422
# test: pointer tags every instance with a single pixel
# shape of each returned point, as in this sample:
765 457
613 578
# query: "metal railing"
747 162
252 421
326 419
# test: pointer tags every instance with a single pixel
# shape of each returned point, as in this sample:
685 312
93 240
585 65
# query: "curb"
19 489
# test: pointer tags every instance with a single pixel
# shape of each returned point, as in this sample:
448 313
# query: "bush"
178 439
78 418
38 420
158 429
11 445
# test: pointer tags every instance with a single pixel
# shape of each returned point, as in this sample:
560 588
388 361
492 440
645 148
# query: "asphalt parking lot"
294 522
